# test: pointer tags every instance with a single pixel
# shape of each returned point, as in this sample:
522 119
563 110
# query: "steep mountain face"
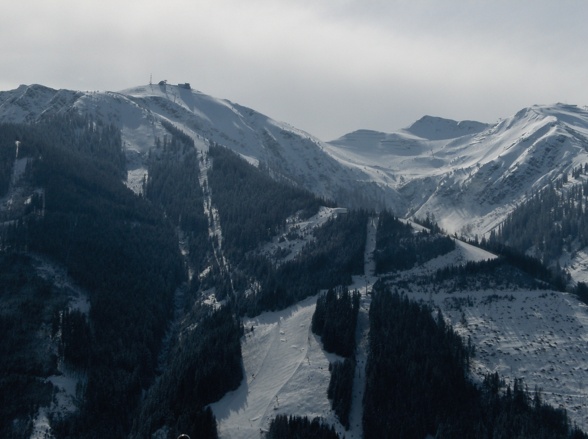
285 152
467 174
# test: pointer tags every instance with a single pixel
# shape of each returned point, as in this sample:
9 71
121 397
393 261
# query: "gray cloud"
327 67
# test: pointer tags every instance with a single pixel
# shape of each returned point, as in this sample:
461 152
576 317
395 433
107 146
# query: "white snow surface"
468 174
286 371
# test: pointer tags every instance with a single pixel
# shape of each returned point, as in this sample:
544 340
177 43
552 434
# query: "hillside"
165 277
468 175
470 178
283 151
145 230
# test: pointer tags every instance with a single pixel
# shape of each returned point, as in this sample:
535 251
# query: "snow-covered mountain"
468 174
286 152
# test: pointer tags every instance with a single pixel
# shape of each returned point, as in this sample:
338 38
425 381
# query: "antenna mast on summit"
151 79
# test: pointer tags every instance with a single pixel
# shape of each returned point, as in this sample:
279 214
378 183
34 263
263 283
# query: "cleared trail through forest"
364 285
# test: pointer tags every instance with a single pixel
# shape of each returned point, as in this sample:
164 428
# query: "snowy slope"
286 152
468 174
286 369
539 336
286 372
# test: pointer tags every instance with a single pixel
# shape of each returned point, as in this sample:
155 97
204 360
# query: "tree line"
399 247
114 244
335 321
203 366
549 222
296 427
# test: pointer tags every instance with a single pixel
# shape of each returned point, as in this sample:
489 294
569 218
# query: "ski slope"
537 335
286 369
286 372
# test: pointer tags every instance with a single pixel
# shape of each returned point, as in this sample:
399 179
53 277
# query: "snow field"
540 336
286 372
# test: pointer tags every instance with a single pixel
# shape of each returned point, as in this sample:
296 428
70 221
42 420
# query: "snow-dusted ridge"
469 174
285 151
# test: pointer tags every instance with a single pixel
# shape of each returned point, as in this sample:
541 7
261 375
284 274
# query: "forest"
253 208
28 303
417 383
399 247
201 369
122 249
551 222
173 186
116 246
9 135
295 427
335 321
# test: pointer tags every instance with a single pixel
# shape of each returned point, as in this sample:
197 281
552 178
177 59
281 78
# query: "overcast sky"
326 66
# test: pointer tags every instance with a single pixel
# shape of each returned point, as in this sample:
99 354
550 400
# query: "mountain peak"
438 128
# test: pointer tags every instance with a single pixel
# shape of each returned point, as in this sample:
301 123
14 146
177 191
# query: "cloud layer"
327 67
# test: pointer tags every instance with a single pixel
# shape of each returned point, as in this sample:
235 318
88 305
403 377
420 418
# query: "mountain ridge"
468 174
438 128
285 151
495 166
